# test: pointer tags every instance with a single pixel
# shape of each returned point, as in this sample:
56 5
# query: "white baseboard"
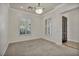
49 39
24 40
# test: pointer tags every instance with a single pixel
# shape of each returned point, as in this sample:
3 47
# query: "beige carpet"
72 44
39 47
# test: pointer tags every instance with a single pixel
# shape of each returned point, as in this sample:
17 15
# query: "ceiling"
24 6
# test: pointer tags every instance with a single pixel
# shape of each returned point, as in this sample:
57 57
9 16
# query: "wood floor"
39 47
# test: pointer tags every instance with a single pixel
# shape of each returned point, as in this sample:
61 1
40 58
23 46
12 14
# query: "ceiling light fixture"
38 9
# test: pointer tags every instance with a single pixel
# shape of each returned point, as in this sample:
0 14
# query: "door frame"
64 29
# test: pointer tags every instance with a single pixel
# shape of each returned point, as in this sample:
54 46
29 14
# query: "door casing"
64 29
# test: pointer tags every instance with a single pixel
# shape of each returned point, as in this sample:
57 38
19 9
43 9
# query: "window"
25 26
48 26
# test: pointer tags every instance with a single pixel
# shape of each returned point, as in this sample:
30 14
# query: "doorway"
64 29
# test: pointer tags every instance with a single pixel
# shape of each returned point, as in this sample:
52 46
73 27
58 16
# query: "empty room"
39 29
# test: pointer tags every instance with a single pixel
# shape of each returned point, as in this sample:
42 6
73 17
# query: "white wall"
56 16
73 22
14 17
3 27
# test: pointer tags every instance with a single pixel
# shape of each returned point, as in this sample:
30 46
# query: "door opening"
64 29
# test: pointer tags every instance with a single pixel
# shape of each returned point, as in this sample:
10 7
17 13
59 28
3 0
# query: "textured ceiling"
24 6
